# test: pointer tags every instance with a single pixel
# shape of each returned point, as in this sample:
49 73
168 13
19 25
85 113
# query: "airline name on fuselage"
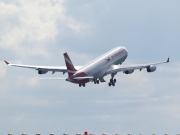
117 54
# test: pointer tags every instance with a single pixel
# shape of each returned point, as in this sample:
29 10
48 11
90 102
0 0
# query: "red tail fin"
69 65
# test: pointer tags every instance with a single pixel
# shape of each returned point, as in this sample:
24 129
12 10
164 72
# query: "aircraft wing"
43 68
118 68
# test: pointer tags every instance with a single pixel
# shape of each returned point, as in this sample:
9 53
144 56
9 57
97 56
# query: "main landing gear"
96 81
82 85
112 80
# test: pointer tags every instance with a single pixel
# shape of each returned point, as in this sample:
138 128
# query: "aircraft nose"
125 49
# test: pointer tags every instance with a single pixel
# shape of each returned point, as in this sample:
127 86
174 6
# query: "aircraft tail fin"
70 67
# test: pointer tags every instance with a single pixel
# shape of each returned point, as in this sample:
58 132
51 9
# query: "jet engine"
151 68
42 72
130 71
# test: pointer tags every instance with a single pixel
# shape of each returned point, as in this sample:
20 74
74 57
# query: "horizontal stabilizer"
85 77
6 62
57 78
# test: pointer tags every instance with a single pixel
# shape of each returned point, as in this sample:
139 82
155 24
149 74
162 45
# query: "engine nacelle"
130 71
151 68
42 72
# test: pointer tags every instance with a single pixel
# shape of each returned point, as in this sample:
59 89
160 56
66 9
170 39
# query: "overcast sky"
39 31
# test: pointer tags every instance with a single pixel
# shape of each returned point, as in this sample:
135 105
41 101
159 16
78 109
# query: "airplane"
107 64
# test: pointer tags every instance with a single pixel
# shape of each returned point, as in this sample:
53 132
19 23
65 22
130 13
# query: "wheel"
114 80
111 80
113 84
94 82
109 83
97 81
83 85
79 85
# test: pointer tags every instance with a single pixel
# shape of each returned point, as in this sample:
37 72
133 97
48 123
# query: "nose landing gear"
112 80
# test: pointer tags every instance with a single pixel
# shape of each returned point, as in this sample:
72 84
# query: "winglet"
168 60
6 62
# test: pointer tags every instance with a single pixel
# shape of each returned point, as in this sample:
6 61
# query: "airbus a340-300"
107 64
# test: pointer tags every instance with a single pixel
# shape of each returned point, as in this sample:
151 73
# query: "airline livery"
107 64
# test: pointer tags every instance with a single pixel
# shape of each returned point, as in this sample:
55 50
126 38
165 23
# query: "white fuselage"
98 67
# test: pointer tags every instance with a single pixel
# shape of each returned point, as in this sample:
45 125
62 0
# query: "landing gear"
82 85
96 81
112 81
